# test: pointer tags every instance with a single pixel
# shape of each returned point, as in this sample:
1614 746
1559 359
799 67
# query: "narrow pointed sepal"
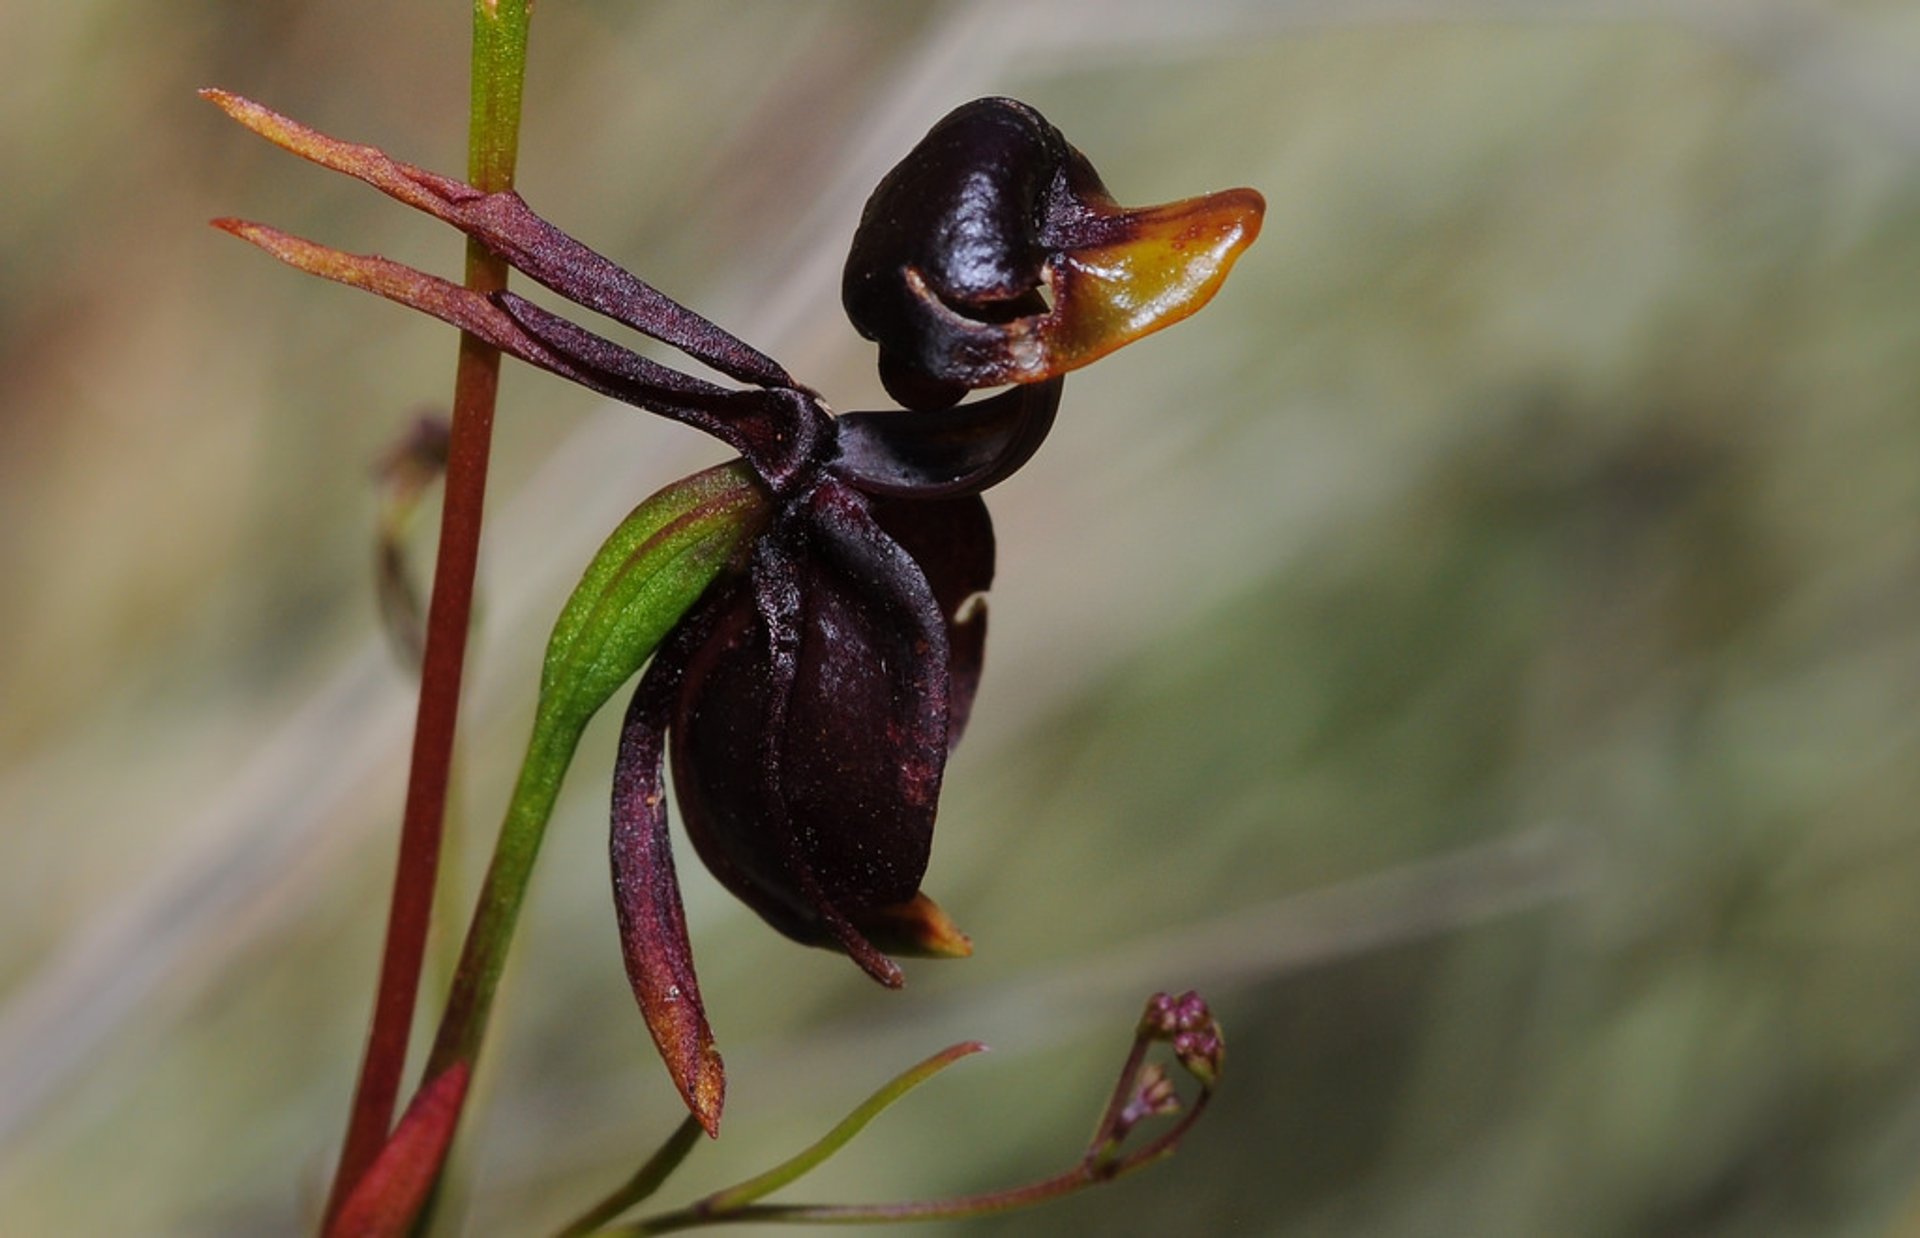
776 430
506 225
646 898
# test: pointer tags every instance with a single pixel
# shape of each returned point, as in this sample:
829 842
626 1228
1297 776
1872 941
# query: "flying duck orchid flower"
829 643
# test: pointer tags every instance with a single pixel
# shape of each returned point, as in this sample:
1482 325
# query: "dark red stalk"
499 63
448 619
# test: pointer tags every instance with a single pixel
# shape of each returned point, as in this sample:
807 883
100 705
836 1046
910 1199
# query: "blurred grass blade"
402 477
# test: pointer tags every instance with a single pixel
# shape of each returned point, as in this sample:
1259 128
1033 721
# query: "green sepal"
647 574
650 571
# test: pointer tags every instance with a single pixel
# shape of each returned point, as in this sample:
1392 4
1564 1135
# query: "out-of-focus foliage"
1487 665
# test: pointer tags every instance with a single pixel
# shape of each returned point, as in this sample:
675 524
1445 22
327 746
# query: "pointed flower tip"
686 1046
247 230
852 937
246 111
917 928
707 1094
692 1061
885 970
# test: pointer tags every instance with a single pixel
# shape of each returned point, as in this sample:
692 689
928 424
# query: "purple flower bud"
1154 1096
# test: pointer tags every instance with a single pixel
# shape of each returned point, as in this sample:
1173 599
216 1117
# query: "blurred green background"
1480 652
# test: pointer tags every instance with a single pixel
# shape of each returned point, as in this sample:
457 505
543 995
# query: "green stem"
1100 1163
645 1181
654 566
499 72
735 1198
504 891
651 569
499 68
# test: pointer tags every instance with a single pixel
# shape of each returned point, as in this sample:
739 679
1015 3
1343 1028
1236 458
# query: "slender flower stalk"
499 68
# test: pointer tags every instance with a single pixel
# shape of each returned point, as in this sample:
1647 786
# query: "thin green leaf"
792 1170
645 1181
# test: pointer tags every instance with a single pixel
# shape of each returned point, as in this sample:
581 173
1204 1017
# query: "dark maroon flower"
808 702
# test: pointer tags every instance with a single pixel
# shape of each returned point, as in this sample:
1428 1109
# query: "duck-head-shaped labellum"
993 254
808 700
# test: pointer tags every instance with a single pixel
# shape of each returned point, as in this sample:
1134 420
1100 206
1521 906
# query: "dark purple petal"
504 223
810 737
939 453
646 895
952 541
645 377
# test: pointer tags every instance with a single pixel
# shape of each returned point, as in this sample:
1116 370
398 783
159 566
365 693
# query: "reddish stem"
499 68
449 614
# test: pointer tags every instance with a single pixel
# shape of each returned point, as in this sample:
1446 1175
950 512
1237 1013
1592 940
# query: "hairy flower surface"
808 700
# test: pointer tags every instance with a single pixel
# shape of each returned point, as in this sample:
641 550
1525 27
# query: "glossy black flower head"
993 254
808 701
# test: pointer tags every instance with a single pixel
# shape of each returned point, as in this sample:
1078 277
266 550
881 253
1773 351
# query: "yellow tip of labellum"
1168 262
